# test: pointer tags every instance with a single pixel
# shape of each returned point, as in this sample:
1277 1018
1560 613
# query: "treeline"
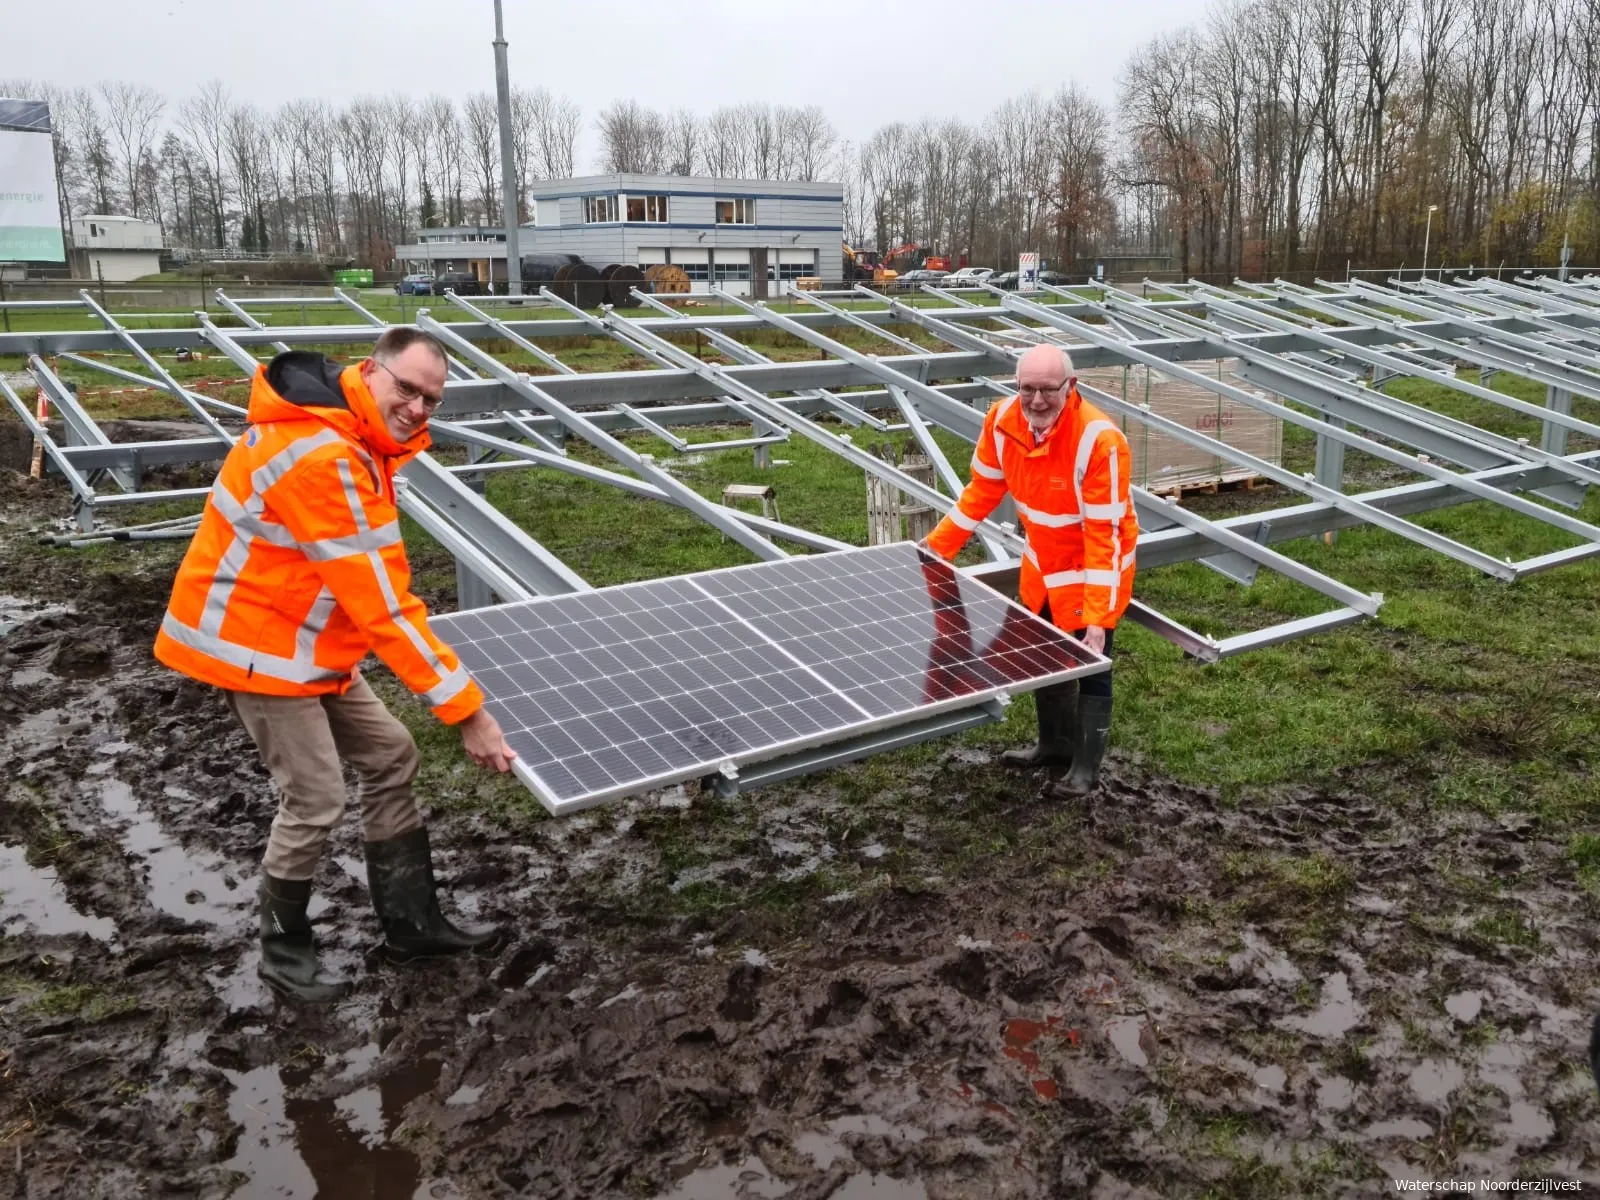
1276 135
1294 134
308 177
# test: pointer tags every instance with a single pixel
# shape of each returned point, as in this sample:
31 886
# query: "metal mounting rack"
1323 355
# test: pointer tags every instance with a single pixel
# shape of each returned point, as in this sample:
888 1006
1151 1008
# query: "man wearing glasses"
1066 465
297 571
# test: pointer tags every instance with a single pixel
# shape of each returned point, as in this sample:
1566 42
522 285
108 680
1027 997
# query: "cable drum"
668 279
588 289
621 280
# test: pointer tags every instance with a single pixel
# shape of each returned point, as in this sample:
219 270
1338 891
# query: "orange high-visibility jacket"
297 569
1071 492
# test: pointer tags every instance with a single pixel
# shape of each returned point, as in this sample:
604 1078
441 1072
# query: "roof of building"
547 189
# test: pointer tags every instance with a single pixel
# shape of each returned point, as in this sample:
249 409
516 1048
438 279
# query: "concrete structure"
477 249
116 249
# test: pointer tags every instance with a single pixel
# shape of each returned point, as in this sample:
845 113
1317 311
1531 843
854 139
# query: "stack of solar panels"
619 690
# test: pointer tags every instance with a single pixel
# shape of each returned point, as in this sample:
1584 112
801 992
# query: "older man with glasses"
1066 465
297 571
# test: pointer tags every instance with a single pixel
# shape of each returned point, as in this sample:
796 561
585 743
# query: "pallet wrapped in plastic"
1161 462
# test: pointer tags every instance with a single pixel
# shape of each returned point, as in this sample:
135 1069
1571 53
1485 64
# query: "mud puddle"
189 883
33 900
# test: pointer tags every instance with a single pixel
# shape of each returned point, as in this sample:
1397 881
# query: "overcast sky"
867 62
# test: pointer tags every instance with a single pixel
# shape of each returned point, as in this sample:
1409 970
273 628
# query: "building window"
598 210
736 212
647 209
698 272
728 272
795 270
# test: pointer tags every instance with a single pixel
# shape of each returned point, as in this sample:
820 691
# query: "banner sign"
30 212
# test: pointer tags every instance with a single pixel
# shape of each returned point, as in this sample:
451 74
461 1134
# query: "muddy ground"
913 980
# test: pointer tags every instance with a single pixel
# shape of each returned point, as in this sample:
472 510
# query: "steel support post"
1554 437
81 428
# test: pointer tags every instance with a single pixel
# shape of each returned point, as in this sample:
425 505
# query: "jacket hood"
298 384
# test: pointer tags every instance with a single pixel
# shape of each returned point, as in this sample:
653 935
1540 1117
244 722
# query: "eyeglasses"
410 393
1049 390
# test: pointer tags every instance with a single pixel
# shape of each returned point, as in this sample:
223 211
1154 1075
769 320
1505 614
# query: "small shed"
115 248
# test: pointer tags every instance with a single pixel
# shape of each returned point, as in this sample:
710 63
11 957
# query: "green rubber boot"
1054 747
400 876
1090 733
288 947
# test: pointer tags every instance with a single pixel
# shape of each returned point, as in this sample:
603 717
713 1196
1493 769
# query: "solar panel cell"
610 691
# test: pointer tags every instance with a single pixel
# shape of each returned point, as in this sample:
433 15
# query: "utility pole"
508 160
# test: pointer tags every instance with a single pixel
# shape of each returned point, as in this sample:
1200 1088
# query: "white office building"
720 231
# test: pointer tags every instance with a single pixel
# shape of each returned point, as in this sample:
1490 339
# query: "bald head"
1050 362
1043 374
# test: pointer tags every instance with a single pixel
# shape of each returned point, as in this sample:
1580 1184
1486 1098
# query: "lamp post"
508 167
1426 233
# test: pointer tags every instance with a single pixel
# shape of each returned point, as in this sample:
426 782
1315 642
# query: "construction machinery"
866 266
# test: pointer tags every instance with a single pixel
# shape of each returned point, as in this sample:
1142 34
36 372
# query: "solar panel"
618 690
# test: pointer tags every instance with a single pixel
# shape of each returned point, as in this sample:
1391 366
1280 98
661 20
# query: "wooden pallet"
1209 487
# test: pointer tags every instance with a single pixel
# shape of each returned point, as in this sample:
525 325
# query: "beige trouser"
302 739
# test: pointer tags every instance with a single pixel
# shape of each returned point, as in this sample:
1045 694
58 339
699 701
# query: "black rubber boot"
1090 732
1054 748
288 948
400 875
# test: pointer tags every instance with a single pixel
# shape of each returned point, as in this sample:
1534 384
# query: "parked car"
415 285
1008 280
914 279
462 283
968 276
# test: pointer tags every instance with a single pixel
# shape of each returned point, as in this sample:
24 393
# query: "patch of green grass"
86 1001
1505 926
1288 885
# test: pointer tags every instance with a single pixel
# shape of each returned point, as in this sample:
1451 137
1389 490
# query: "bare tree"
133 113
684 142
203 118
483 137
633 139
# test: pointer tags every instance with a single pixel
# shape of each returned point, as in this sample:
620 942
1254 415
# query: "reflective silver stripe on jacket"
979 467
256 662
245 531
1047 520
451 683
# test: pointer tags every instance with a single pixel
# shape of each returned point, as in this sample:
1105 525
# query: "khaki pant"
302 739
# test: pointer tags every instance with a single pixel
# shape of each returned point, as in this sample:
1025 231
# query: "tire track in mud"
1155 996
